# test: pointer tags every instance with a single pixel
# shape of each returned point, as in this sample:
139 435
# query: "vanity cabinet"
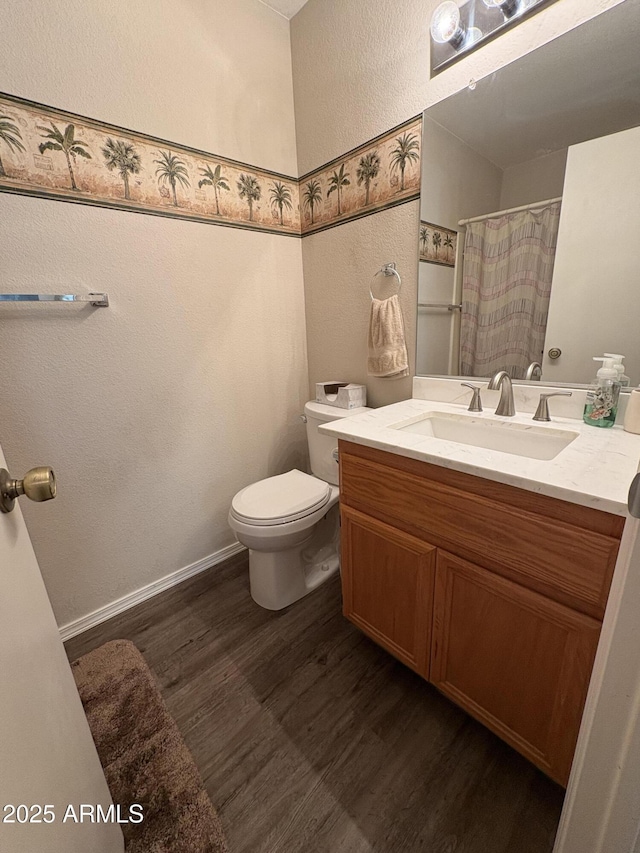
494 594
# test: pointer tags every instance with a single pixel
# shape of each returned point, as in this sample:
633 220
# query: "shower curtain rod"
510 210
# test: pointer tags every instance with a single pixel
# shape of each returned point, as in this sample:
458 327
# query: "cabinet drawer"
570 564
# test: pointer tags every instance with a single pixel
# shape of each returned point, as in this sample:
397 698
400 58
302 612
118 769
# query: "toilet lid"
277 500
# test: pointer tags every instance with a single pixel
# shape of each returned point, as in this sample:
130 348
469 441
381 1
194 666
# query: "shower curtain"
508 266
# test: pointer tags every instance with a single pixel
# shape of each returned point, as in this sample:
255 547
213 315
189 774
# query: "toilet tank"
321 447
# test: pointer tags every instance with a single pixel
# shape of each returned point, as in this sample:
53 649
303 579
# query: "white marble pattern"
595 470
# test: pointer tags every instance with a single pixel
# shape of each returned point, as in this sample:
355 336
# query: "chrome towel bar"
440 305
98 300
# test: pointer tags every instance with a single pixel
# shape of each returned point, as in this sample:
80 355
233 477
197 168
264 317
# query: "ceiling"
288 8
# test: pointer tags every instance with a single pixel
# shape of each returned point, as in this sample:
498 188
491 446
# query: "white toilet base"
278 578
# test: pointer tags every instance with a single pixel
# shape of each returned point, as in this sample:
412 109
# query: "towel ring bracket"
387 270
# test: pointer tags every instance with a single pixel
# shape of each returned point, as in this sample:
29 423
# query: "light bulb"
445 24
508 7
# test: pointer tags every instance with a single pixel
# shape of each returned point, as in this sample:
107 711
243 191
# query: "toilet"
290 523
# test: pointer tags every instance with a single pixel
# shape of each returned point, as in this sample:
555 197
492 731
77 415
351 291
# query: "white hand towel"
387 347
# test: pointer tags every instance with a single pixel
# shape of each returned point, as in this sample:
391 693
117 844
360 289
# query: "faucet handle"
542 412
476 403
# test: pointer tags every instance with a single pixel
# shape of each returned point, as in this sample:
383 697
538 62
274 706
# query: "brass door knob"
38 484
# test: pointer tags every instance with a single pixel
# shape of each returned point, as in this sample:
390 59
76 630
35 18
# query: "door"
602 808
514 659
387 585
47 756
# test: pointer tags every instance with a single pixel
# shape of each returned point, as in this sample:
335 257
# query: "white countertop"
595 470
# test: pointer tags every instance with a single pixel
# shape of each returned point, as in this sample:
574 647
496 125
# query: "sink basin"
532 442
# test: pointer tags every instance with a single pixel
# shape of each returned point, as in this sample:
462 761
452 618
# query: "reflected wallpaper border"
437 245
55 154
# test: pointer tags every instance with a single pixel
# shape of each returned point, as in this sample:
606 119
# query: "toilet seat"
281 499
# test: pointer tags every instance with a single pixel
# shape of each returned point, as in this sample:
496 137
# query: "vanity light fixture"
458 28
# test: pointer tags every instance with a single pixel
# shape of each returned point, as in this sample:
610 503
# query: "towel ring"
387 270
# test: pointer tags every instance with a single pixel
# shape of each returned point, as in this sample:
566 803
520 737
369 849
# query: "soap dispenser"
619 366
601 407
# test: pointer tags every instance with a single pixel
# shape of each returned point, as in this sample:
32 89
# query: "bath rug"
144 757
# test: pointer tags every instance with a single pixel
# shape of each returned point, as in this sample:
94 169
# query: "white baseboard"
78 626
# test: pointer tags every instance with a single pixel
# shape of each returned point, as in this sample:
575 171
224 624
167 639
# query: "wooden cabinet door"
515 660
387 586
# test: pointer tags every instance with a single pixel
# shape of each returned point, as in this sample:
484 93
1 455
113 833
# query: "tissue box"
343 395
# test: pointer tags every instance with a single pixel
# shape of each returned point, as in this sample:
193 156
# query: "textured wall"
340 263
361 67
212 74
153 412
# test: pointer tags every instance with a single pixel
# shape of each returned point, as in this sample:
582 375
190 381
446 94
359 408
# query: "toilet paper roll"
632 415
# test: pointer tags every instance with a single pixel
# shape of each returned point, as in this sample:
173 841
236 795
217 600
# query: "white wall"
597 260
360 68
147 410
535 180
457 182
213 74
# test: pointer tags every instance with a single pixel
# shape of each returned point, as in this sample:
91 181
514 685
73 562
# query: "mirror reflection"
530 211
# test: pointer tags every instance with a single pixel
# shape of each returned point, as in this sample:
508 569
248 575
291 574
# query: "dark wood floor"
311 738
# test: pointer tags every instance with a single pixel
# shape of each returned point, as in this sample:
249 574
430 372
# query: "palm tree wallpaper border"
51 153
381 173
437 245
54 154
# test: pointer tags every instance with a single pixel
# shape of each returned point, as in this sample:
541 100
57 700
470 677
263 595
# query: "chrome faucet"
534 368
502 380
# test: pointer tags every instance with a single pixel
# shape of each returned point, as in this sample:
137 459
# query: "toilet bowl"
290 522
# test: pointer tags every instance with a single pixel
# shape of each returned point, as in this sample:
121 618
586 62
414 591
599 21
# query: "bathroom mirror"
544 155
